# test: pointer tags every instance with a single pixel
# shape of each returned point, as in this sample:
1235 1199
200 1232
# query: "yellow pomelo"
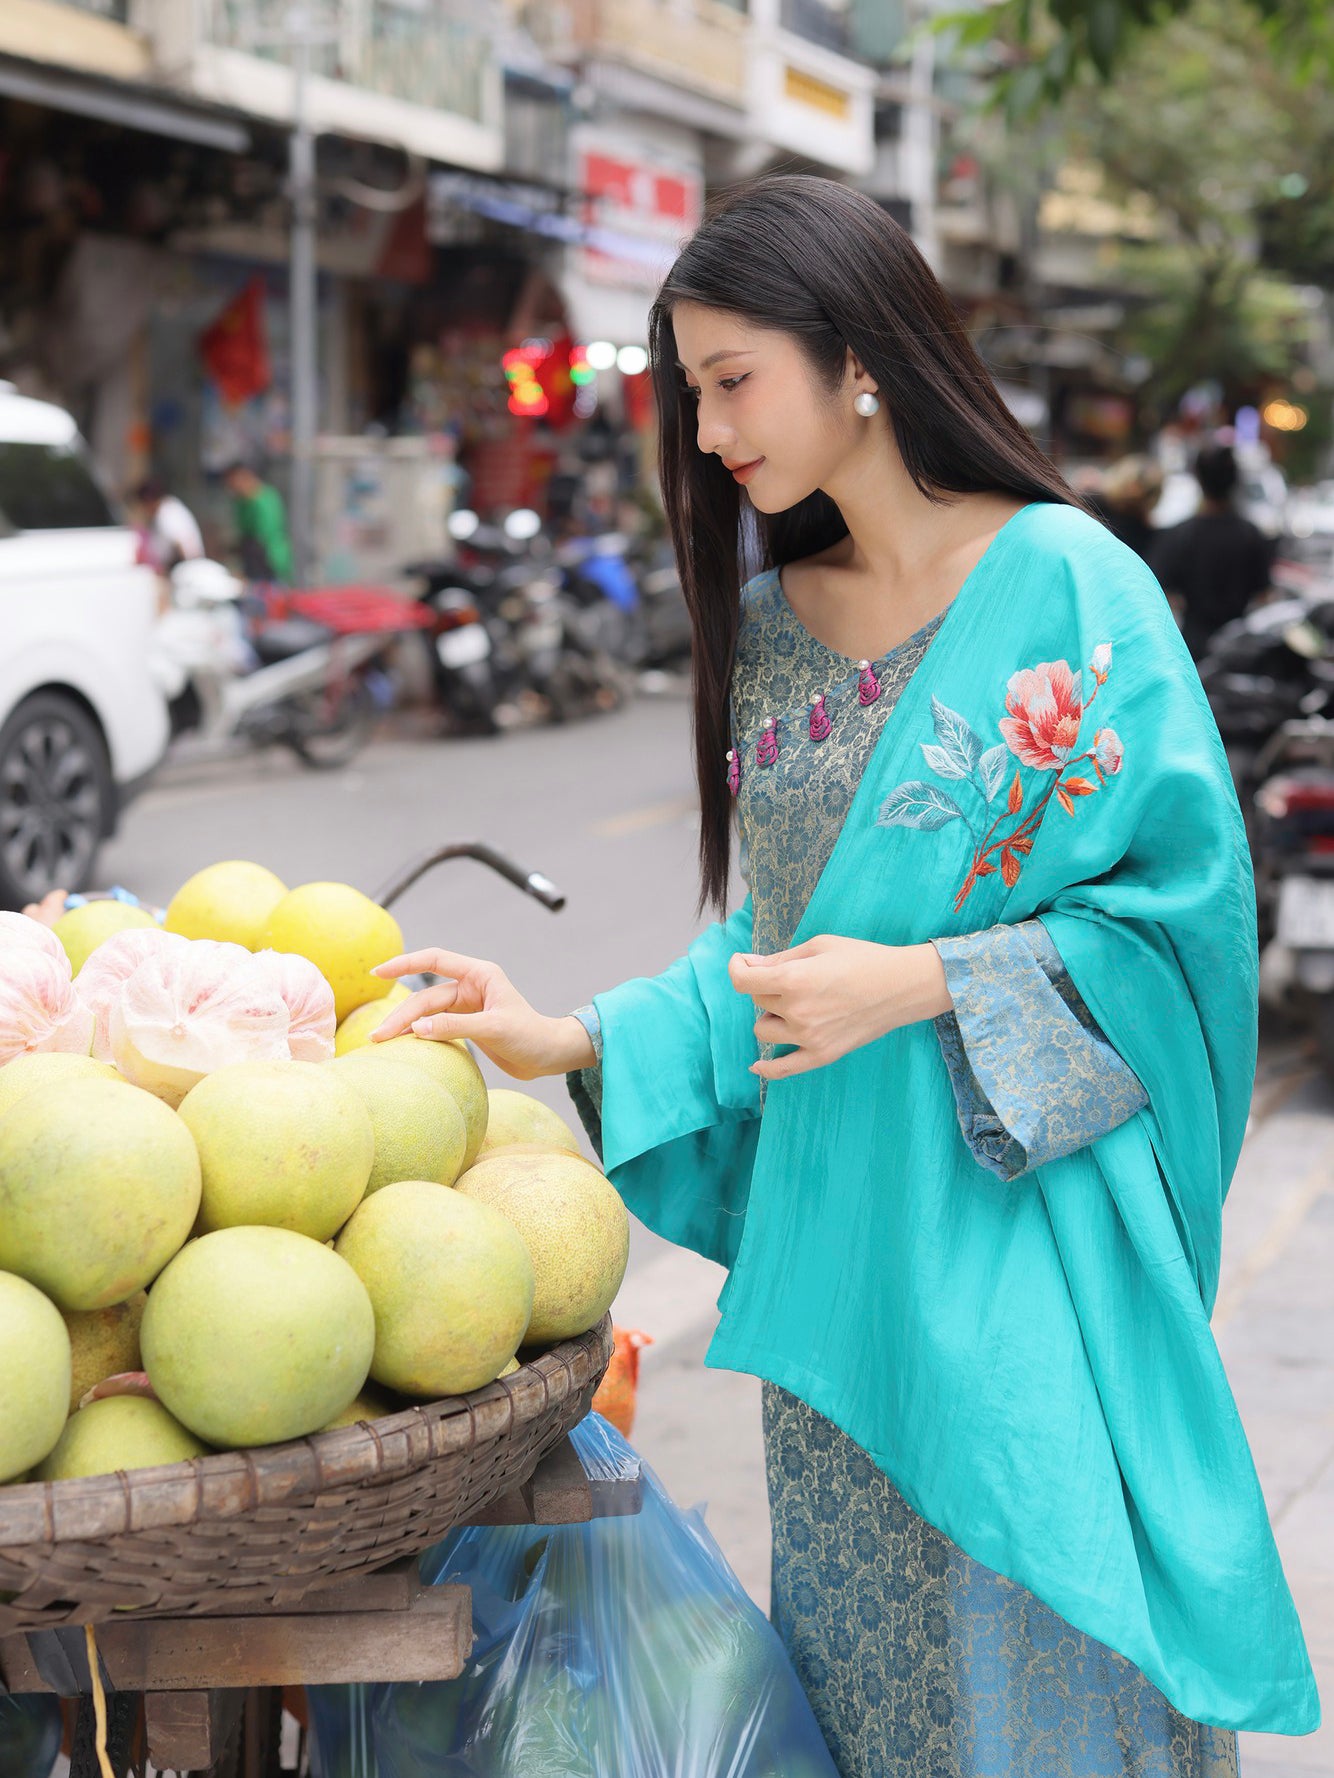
355 1031
451 1282
231 901
419 1130
289 1145
453 1066
120 1432
518 1117
26 1073
99 1186
369 1405
34 1375
574 1225
82 930
509 1369
344 933
103 1343
254 1335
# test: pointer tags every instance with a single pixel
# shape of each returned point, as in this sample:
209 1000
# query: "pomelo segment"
184 1013
34 1375
111 965
309 1000
22 929
230 901
254 1335
40 1008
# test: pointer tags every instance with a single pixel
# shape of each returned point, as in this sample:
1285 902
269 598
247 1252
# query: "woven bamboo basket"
268 1526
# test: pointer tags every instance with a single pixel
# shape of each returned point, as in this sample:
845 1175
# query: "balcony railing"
427 52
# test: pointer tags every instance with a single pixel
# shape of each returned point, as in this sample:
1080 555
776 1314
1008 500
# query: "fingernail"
424 1027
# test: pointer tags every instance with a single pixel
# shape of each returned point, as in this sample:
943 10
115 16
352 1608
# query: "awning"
133 107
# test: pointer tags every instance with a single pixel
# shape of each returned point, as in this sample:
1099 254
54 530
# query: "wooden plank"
429 1639
557 1493
189 1731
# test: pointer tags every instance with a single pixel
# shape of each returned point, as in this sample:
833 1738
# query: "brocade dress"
918 1661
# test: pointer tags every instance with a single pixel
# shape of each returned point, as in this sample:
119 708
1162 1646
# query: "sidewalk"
700 1429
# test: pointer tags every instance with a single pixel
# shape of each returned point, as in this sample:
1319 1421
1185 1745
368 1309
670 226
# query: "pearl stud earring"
867 404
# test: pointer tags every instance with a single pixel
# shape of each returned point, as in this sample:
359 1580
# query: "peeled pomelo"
22 929
26 1073
369 1405
34 1375
230 901
457 1072
109 968
285 1144
82 930
99 1186
419 1130
40 1008
518 1117
119 1432
575 1227
184 1013
103 1343
355 1030
309 1000
451 1283
254 1335
343 932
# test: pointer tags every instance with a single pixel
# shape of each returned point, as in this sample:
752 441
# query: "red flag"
234 349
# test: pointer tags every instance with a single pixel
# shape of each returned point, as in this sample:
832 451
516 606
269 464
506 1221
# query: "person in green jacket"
261 524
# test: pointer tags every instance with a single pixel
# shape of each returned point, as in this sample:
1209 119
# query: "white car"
82 722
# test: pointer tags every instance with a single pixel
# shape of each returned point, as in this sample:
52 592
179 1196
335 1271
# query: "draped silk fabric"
1029 1361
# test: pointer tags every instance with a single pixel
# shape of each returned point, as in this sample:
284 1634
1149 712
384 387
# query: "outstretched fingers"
430 962
439 998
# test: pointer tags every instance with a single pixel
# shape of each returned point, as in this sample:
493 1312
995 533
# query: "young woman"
957 1090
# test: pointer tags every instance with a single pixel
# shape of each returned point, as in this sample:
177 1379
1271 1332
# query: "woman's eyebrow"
717 357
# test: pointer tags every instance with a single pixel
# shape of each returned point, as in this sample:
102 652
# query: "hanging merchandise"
234 347
624 1648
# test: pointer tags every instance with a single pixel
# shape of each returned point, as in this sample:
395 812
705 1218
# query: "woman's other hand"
832 995
480 1002
49 909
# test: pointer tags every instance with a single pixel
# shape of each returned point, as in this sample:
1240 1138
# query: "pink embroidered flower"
1046 705
1101 664
1108 751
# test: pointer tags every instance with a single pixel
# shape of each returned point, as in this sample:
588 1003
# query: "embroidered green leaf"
920 805
956 738
992 767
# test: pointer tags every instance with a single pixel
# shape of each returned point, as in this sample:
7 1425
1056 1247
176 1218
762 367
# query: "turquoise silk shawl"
1031 1362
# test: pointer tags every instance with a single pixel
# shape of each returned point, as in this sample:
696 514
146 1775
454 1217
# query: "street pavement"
605 809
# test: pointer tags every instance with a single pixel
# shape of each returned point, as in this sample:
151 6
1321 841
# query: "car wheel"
56 798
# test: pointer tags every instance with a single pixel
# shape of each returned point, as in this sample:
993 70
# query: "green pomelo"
451 1282
83 929
34 1375
103 1343
355 1031
456 1071
369 1405
419 1129
120 1432
99 1186
284 1144
574 1225
254 1335
518 1117
26 1073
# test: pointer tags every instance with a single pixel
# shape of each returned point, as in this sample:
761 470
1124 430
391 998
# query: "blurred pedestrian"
935 1091
1128 493
170 531
1216 563
260 517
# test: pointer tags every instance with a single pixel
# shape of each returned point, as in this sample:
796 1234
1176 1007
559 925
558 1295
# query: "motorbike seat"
289 636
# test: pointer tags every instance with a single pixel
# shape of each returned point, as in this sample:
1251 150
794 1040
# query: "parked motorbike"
254 668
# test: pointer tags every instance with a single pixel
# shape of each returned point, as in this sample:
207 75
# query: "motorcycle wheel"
325 731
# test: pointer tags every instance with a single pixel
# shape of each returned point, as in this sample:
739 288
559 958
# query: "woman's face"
760 410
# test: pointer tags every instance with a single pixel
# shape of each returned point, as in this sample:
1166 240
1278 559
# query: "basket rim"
232 1484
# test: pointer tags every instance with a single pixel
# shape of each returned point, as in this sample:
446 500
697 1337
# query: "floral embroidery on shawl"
1045 710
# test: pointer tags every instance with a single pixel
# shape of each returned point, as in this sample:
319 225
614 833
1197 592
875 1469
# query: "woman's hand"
831 995
49 909
481 1004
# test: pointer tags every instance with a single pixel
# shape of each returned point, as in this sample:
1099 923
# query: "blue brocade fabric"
918 1661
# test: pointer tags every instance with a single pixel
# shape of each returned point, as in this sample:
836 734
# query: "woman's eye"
727 383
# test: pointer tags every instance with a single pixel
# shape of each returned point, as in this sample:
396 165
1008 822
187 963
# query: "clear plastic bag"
625 1648
29 1734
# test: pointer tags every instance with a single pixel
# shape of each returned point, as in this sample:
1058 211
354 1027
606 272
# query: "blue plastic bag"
625 1648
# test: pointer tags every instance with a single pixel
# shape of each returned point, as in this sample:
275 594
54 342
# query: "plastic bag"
29 1735
625 1648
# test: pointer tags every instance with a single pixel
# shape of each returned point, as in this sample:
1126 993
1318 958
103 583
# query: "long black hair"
822 262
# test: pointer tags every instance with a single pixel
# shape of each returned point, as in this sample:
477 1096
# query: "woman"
956 1091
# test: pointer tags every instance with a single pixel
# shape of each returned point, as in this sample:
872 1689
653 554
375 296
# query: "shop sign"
638 215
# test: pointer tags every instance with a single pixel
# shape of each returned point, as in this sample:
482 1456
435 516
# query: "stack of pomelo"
227 1217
